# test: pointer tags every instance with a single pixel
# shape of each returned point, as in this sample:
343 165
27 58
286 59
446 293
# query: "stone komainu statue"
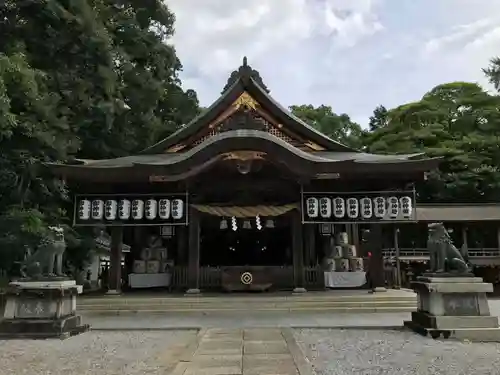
444 256
47 260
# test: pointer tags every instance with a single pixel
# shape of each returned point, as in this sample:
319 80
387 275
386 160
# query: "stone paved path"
255 351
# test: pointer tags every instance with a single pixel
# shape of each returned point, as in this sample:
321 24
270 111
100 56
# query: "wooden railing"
424 253
314 277
211 277
180 277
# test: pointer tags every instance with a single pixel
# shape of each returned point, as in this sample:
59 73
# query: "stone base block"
299 290
192 291
454 307
459 296
470 334
42 328
41 309
452 322
47 285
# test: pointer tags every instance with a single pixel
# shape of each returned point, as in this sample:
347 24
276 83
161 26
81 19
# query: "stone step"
399 301
339 310
123 300
243 306
367 306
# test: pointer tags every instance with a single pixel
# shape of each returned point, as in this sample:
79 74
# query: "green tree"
493 72
338 127
85 78
458 121
379 118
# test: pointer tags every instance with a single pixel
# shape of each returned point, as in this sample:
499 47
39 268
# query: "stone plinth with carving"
42 309
454 307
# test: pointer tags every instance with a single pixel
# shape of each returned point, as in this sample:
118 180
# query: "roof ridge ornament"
245 73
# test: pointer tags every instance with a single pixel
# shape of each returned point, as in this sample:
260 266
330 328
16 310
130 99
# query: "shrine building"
245 197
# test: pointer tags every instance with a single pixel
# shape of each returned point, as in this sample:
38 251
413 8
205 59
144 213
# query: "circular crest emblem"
246 278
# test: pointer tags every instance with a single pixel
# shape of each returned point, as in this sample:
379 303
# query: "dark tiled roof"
173 158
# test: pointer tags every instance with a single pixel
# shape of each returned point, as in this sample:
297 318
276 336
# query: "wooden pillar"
498 236
310 245
115 266
194 252
376 265
355 237
298 252
181 236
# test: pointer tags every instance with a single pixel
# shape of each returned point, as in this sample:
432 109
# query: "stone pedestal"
454 307
42 309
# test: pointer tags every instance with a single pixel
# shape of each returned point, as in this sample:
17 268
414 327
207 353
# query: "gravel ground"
95 353
373 352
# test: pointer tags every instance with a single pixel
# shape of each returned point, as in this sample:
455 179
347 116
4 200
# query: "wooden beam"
298 252
115 261
376 266
194 252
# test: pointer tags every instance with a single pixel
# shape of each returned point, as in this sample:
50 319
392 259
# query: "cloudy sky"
350 54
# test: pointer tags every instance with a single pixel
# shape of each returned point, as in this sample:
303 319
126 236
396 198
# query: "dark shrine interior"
245 247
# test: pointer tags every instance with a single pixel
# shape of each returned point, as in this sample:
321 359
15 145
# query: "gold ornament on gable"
245 100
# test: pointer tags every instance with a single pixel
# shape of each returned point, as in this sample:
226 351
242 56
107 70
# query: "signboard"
131 210
358 207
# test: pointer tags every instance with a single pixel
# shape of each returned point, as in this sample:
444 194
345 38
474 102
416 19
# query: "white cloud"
350 54
458 34
215 34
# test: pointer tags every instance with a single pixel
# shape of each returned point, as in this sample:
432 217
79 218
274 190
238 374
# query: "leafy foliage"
493 72
458 121
379 118
84 78
338 127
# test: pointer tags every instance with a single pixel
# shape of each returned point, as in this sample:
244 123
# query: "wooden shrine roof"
245 90
244 119
178 166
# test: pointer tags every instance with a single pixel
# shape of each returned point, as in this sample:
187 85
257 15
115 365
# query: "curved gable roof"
247 80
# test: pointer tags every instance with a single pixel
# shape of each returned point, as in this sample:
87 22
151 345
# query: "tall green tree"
338 127
458 121
379 119
85 78
493 72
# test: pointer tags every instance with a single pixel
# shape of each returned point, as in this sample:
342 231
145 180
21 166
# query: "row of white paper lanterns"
136 209
379 207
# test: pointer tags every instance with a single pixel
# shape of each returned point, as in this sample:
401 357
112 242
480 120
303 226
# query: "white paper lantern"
110 209
352 208
164 209
406 207
84 207
151 209
339 207
177 209
366 207
312 207
97 209
137 209
379 209
393 207
124 209
325 207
